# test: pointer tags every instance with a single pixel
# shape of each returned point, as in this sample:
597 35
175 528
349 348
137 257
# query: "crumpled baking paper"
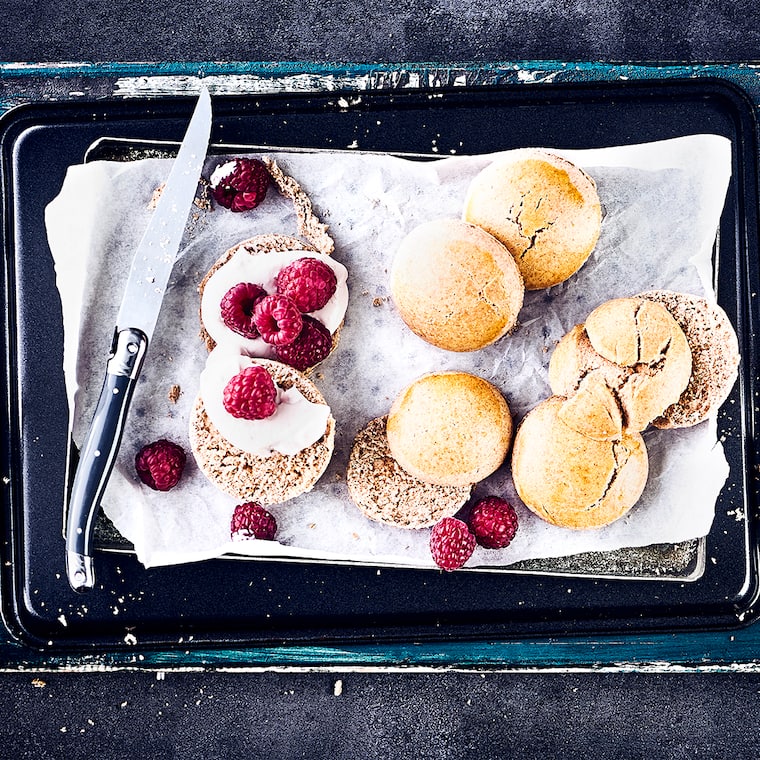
662 204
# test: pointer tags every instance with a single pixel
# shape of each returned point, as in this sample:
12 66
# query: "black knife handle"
98 453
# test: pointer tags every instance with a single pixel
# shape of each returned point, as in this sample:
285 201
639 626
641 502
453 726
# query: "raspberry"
309 282
312 345
494 522
451 543
237 308
277 319
251 394
251 520
159 464
241 184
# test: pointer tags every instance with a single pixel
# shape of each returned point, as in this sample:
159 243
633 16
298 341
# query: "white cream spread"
296 424
262 269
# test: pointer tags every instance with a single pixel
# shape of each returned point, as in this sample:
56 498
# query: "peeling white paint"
239 84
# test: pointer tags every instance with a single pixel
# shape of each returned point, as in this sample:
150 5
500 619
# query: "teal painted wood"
707 650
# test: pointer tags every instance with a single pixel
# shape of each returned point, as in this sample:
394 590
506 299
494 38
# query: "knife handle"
98 453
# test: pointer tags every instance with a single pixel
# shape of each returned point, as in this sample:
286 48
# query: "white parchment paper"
662 204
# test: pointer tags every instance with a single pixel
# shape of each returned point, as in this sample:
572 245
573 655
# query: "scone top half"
456 286
450 428
543 208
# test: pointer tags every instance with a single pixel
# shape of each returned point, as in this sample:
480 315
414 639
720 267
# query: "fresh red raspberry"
160 464
312 345
494 522
251 520
277 319
251 394
309 282
237 308
242 185
451 543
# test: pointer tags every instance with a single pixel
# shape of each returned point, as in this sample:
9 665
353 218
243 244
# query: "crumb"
378 301
156 195
312 526
174 393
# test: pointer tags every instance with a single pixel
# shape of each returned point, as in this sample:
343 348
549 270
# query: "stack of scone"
445 432
662 358
530 220
271 309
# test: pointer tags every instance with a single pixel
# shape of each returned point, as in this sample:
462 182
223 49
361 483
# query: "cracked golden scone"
270 460
714 352
570 479
455 285
635 348
386 493
449 428
543 208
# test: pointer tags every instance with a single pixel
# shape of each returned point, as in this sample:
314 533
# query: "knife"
151 266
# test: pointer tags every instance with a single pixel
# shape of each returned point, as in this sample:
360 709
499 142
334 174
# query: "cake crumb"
153 202
174 393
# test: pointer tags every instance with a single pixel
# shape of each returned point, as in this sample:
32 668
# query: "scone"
543 208
570 479
714 352
449 428
636 348
254 443
386 493
455 285
251 274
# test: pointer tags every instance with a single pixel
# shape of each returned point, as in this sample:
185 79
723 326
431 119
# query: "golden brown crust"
543 208
455 285
270 480
450 428
386 493
570 479
638 350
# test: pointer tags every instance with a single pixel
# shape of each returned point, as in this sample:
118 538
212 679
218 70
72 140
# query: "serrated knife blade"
136 320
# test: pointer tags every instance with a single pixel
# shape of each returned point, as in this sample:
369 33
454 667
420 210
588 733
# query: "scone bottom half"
269 479
317 341
387 493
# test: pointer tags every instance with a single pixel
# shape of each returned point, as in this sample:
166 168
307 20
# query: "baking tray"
241 603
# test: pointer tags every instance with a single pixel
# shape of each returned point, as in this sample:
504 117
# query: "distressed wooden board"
706 651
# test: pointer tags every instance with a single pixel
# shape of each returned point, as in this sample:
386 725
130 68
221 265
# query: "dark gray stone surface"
379 715
369 31
348 716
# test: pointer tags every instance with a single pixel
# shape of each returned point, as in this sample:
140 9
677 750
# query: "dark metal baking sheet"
226 602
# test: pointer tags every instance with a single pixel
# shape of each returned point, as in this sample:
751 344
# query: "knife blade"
136 320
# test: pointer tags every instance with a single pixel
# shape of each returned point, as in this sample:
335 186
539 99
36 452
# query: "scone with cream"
455 285
274 297
260 430
543 208
571 479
